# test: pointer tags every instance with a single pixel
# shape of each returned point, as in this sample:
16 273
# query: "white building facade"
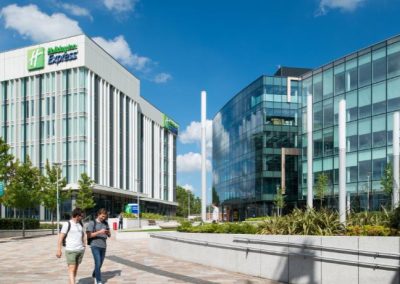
69 102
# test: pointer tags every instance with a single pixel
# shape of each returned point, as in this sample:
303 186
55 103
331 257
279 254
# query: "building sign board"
55 55
170 124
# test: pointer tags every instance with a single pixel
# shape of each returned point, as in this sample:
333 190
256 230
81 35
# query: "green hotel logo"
36 58
170 124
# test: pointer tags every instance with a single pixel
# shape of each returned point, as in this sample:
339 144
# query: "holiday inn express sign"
56 55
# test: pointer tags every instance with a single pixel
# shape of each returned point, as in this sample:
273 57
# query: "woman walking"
97 233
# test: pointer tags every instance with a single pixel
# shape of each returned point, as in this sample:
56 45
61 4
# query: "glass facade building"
251 135
369 82
250 131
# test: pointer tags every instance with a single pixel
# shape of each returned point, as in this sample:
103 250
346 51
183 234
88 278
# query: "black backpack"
89 240
66 234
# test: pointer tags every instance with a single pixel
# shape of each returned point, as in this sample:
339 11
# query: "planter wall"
289 259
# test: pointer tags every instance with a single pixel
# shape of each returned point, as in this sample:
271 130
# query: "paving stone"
33 260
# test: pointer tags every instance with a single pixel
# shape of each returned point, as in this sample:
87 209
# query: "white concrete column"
396 122
203 155
3 211
342 161
309 152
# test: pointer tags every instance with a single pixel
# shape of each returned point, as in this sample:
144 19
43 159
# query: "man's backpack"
89 240
66 234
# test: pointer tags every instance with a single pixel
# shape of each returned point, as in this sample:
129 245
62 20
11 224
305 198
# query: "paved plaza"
33 260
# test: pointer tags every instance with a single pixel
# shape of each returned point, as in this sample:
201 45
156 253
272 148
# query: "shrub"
395 219
310 222
368 230
223 228
16 224
369 218
48 226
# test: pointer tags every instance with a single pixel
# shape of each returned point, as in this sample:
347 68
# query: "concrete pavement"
33 260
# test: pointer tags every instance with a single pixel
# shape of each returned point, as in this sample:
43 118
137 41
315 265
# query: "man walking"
97 233
72 237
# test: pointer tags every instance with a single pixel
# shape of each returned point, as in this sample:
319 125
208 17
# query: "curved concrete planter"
28 233
289 259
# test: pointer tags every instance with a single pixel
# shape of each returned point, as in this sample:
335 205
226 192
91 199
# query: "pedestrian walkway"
33 260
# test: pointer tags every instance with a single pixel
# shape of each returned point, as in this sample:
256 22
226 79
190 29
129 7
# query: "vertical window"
351 137
351 167
351 75
364 131
364 70
379 130
364 102
378 163
379 98
393 60
328 112
317 137
317 88
328 83
328 141
364 165
379 65
317 110
339 79
351 106
393 94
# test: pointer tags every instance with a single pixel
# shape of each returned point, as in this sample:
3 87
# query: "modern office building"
247 167
68 101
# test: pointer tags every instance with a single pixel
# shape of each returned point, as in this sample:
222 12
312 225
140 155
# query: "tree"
279 200
321 187
84 198
49 191
182 196
387 181
24 188
7 166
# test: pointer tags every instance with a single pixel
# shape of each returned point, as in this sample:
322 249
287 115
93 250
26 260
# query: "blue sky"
179 47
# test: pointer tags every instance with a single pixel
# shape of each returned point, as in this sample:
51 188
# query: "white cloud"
76 10
162 78
191 162
120 50
33 24
188 187
192 134
120 5
343 5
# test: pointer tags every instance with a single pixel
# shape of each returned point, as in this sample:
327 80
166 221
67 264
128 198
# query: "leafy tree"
321 187
84 198
7 166
182 196
279 200
49 191
387 181
24 188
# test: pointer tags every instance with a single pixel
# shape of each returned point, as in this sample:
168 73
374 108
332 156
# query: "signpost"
1 188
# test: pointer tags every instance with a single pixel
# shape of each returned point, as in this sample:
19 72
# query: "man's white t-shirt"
73 241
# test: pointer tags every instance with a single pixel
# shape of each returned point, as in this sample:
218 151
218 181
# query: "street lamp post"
57 165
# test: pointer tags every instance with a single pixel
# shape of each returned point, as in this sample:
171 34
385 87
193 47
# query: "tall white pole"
309 153
58 207
342 162
203 156
396 133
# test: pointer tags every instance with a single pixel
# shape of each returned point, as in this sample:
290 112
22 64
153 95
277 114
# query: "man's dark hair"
77 212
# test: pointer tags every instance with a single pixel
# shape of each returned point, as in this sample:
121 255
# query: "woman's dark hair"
102 211
77 212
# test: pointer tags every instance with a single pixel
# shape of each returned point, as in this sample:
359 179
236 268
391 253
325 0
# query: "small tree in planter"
321 187
84 198
279 200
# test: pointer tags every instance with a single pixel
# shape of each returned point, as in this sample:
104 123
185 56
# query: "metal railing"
287 253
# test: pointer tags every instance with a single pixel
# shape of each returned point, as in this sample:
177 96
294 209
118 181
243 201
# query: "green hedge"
222 228
16 224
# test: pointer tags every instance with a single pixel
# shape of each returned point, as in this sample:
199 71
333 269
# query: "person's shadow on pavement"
106 275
